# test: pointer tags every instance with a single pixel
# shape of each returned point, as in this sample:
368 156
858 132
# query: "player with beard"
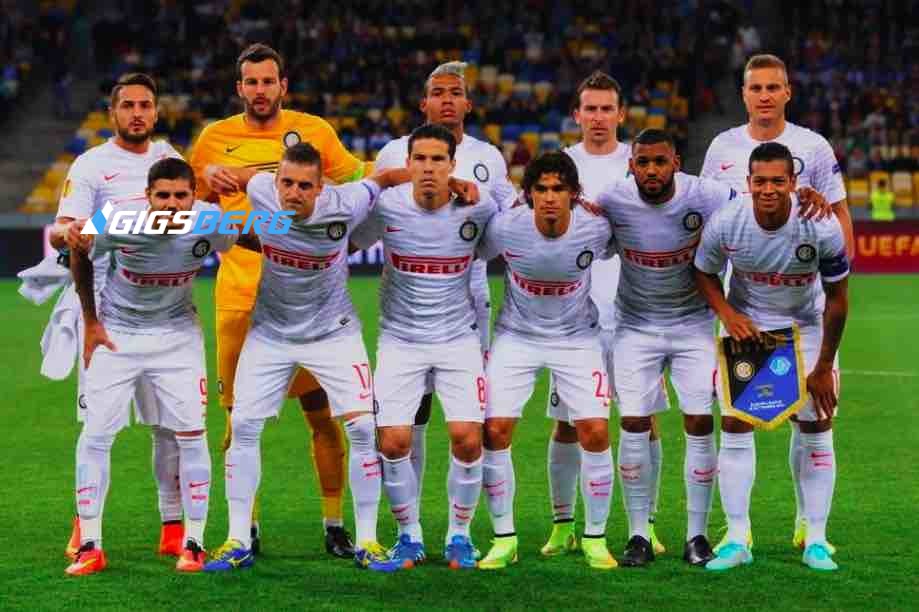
116 172
256 139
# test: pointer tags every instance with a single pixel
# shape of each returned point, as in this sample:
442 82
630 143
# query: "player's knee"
423 416
394 444
246 431
565 433
593 434
698 424
636 424
734 425
497 433
315 401
361 433
466 445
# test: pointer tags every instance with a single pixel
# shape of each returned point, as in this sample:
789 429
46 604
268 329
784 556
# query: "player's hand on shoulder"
822 387
220 179
94 337
813 204
740 327
467 191
75 240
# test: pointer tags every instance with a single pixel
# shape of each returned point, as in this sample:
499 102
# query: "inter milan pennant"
763 383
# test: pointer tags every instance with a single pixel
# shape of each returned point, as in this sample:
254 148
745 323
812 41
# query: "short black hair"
437 132
259 52
170 169
772 151
553 162
132 78
652 136
304 154
597 80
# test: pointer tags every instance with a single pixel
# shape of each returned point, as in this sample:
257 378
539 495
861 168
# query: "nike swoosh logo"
195 485
390 229
510 255
731 250
109 177
704 472
726 167
231 149
364 396
236 562
127 251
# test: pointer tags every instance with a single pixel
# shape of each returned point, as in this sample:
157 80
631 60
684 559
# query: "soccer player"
549 320
427 324
304 317
446 103
765 93
116 172
777 259
256 139
600 159
148 330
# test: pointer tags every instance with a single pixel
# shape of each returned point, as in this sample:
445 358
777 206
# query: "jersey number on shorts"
603 391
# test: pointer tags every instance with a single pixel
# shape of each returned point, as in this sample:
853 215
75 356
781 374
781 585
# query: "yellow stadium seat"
541 91
523 89
679 108
665 86
569 138
488 78
858 192
661 103
507 149
472 75
493 132
531 140
348 122
635 117
656 122
505 83
396 115
916 187
902 185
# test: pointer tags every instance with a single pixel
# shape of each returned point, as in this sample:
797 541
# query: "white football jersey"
596 172
656 243
728 158
777 274
476 161
303 293
108 173
148 287
425 295
547 280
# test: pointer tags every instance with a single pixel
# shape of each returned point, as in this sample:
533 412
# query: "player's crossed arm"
81 267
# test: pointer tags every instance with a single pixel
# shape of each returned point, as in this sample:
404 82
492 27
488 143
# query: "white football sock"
699 471
243 473
795 464
400 486
464 485
635 472
419 451
596 489
195 481
499 485
364 474
818 477
737 471
166 472
564 466
657 459
94 460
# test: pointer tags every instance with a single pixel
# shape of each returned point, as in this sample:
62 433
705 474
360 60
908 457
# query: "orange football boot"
192 559
89 560
74 544
171 536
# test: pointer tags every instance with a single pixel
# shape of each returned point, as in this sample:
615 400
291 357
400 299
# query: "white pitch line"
881 373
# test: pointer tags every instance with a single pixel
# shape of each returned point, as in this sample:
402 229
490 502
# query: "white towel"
61 338
40 282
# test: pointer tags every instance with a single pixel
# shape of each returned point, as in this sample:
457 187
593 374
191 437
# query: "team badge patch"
806 253
81 401
336 230
763 383
468 231
585 258
692 221
554 399
291 138
798 164
480 171
201 248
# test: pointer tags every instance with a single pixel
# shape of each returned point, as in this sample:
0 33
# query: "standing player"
427 324
147 330
601 159
304 317
549 320
446 103
765 94
256 139
116 172
777 259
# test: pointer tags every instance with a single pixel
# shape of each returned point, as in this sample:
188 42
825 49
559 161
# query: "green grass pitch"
877 437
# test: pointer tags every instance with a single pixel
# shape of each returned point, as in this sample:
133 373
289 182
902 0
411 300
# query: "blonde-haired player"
257 139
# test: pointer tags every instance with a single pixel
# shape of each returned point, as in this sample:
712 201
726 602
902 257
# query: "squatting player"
256 139
548 319
778 259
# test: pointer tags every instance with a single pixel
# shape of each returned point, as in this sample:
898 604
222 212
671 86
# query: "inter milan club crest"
201 248
798 165
692 221
468 231
291 138
336 230
805 253
585 259
743 371
554 399
480 171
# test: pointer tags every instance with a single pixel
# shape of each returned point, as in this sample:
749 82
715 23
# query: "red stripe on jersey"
176 279
662 259
302 261
777 279
429 264
546 288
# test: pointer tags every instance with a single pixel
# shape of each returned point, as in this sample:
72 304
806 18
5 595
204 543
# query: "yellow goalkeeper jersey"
231 142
